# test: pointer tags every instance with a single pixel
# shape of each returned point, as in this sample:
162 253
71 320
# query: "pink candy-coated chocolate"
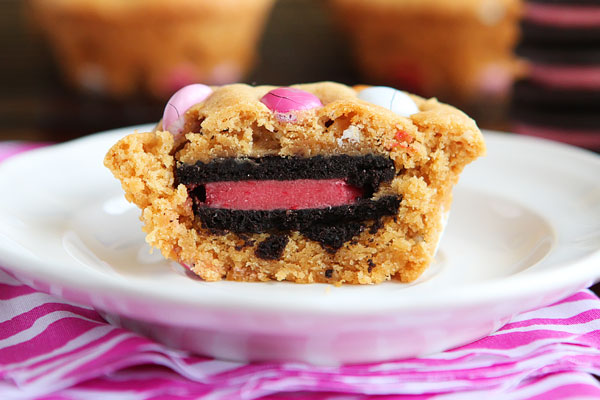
289 195
179 103
284 100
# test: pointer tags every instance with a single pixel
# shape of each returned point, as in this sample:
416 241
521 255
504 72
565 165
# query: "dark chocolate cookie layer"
272 248
331 227
366 171
260 221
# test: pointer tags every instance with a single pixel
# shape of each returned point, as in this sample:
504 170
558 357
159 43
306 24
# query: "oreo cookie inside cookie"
327 199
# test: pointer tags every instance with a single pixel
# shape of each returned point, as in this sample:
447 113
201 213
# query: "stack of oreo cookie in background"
559 96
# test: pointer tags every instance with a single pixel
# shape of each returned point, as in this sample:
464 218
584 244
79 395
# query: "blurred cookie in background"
559 96
461 51
120 48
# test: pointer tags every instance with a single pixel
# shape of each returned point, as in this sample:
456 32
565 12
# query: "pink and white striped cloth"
53 349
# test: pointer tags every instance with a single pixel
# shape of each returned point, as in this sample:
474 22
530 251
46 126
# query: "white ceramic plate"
524 232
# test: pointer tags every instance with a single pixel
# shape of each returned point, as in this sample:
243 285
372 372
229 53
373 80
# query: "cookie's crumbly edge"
436 145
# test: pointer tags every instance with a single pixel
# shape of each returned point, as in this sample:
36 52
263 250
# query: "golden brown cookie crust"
432 149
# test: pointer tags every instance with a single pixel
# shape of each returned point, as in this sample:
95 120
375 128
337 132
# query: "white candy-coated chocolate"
390 98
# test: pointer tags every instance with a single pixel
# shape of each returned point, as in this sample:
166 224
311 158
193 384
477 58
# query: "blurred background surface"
74 67
299 44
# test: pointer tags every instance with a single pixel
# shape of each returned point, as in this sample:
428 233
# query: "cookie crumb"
371 265
377 225
272 247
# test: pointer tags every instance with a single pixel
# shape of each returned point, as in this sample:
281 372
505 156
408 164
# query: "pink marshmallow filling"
289 195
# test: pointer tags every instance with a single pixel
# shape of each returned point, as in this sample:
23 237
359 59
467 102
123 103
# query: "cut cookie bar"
313 183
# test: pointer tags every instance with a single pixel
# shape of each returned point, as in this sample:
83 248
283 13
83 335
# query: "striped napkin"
54 349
